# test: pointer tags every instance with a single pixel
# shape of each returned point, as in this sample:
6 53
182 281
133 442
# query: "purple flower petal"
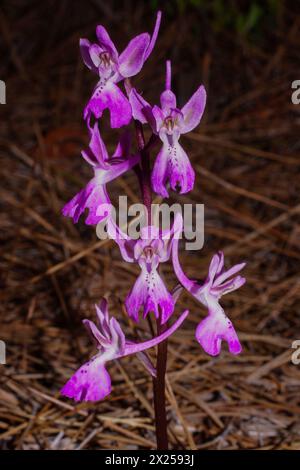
168 238
160 172
126 244
141 109
103 317
147 363
193 110
212 330
123 147
215 266
85 46
117 167
172 164
181 171
228 286
109 96
91 197
91 382
216 326
96 154
168 75
95 333
230 272
154 36
134 348
106 42
95 54
159 117
133 57
149 293
181 276
167 101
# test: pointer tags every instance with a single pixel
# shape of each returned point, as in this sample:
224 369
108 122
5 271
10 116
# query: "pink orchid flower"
94 196
168 122
103 59
91 382
216 326
152 248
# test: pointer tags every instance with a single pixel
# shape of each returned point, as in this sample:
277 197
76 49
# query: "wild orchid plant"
172 169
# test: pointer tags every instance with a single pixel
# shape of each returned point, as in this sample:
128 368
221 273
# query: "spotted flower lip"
94 196
168 122
216 326
103 59
149 292
91 382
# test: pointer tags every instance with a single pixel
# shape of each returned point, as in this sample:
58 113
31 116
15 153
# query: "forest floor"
246 153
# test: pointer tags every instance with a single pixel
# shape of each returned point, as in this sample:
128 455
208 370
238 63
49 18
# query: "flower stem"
161 361
145 173
159 391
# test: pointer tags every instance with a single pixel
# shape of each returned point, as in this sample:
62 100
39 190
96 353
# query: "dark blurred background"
246 155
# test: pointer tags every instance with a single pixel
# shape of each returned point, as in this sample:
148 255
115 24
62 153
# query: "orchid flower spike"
94 196
168 122
103 59
91 382
152 248
216 326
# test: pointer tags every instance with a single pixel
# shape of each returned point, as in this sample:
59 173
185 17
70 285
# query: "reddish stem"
159 391
145 173
161 361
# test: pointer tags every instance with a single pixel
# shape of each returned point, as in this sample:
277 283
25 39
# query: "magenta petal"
221 262
193 110
106 43
85 47
169 237
212 330
126 244
168 75
95 51
160 173
154 36
181 171
91 197
133 57
227 274
91 382
96 154
172 164
95 333
181 276
228 286
149 293
215 265
134 348
158 117
110 97
138 105
123 147
141 109
146 361
167 101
